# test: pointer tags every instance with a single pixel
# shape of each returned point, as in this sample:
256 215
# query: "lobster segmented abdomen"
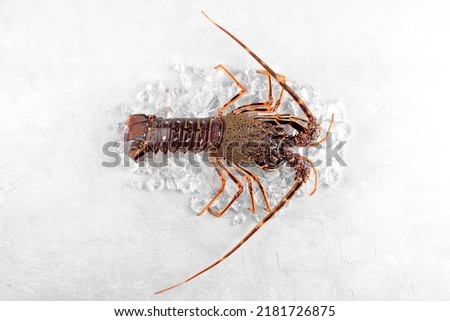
150 134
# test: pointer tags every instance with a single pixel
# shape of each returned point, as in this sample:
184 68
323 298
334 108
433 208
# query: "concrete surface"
71 229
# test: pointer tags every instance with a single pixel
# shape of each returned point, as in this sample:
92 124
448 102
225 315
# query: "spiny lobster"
251 134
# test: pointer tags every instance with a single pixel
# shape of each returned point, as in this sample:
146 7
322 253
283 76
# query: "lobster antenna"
291 92
264 220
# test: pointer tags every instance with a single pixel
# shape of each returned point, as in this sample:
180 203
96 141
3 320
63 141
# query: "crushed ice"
200 94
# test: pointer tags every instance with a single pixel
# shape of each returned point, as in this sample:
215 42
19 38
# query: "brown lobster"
251 134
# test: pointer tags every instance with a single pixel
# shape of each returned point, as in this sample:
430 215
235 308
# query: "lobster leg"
295 122
250 187
260 185
242 91
267 105
235 196
302 174
282 119
222 188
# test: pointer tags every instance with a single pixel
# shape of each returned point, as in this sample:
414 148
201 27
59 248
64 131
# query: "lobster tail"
150 134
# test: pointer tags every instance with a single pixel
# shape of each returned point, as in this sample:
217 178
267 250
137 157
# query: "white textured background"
72 229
